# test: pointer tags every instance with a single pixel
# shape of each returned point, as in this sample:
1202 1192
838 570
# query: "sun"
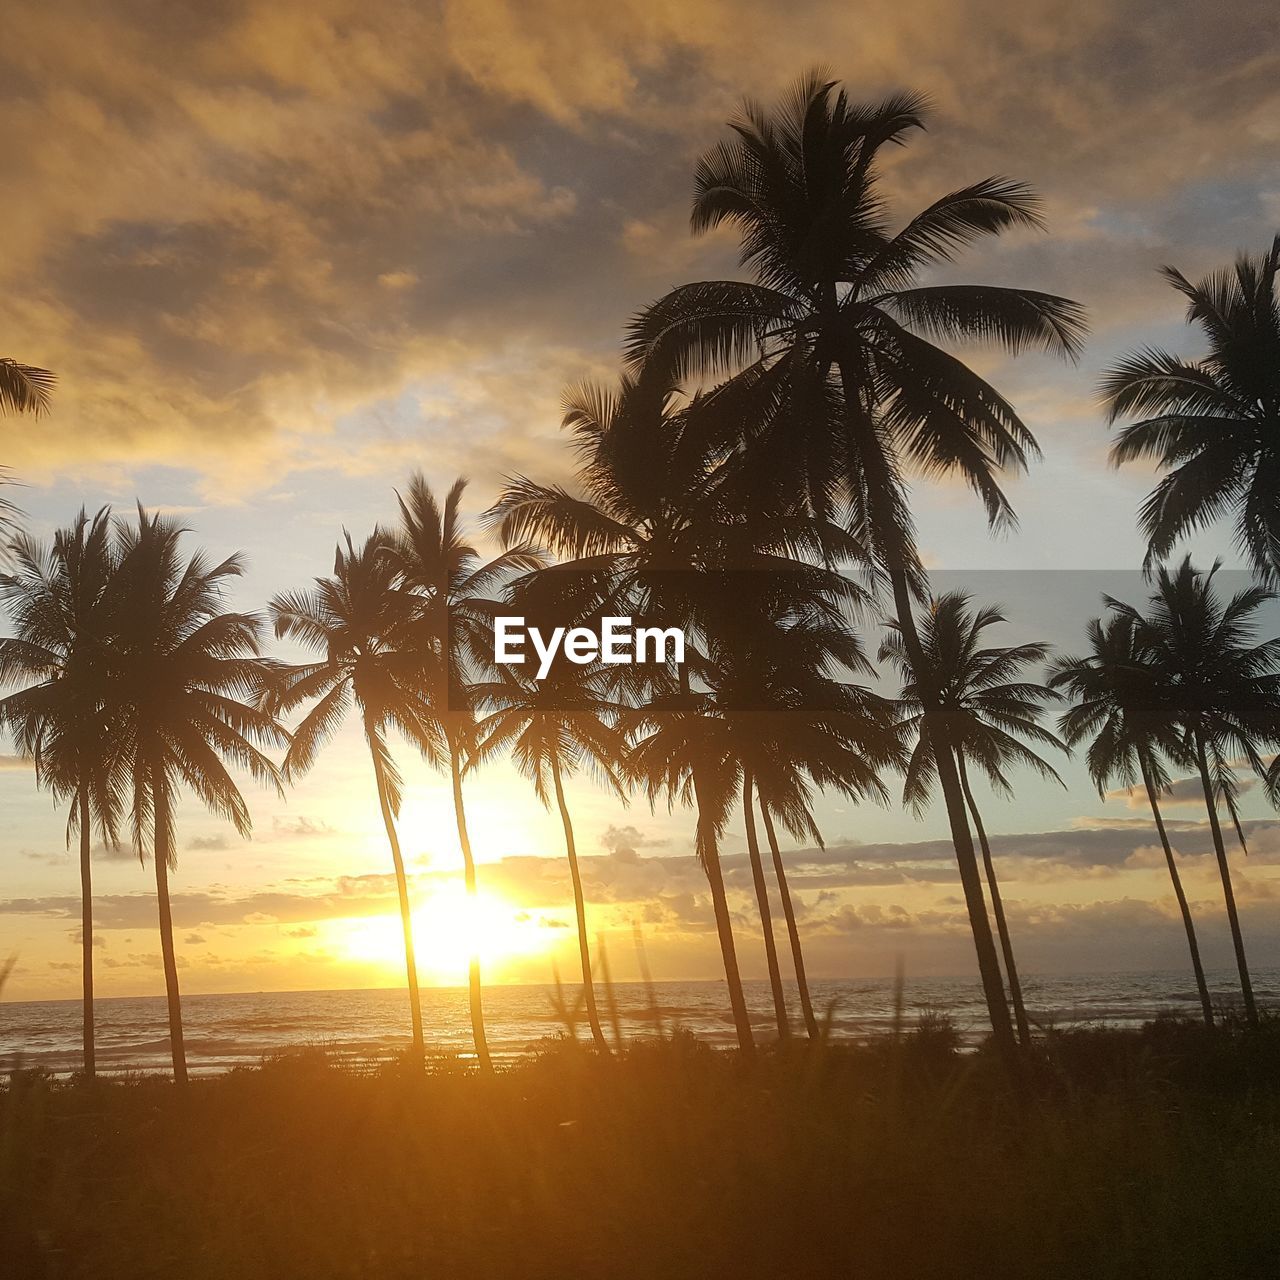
448 927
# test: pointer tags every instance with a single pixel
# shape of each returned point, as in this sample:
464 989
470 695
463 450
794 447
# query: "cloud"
1181 791
209 843
625 878
301 827
305 234
623 842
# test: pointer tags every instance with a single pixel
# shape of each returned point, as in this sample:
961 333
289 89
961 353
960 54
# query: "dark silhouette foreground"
1152 1153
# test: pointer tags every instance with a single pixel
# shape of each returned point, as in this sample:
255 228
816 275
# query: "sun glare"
447 928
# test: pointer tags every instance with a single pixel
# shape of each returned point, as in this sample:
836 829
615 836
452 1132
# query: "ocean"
225 1031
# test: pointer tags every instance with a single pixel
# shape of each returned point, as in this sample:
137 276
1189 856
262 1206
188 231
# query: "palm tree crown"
835 338
990 714
1213 424
24 388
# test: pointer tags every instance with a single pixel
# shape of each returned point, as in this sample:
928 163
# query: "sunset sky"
282 252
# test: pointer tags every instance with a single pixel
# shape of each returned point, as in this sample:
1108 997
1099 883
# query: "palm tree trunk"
177 1044
997 905
890 542
1188 924
469 875
762 900
961 838
710 857
406 915
793 931
1233 918
86 932
580 911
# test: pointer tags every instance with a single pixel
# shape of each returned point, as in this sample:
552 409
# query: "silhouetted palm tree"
187 679
686 752
554 728
58 602
24 388
647 536
1213 424
989 715
1124 707
451 586
833 347
1226 691
359 624
776 647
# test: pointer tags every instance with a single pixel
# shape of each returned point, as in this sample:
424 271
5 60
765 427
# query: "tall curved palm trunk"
961 837
580 914
1228 892
762 902
709 854
997 906
793 929
1202 988
406 912
886 520
86 930
163 854
474 989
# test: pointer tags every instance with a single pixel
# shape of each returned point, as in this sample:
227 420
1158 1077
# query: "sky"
281 253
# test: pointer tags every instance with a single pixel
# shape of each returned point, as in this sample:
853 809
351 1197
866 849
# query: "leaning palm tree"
1226 689
1122 706
448 586
358 624
554 728
833 349
58 600
24 388
1213 424
187 678
990 712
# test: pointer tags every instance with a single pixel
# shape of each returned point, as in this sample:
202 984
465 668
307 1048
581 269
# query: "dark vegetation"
1147 1153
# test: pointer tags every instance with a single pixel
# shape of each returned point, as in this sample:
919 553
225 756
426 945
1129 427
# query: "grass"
1152 1153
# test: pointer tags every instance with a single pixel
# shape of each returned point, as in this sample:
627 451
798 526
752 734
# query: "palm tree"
58 600
1122 705
659 518
684 751
449 587
834 347
187 678
1226 690
648 520
358 625
1213 424
556 727
989 714
24 388
776 646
